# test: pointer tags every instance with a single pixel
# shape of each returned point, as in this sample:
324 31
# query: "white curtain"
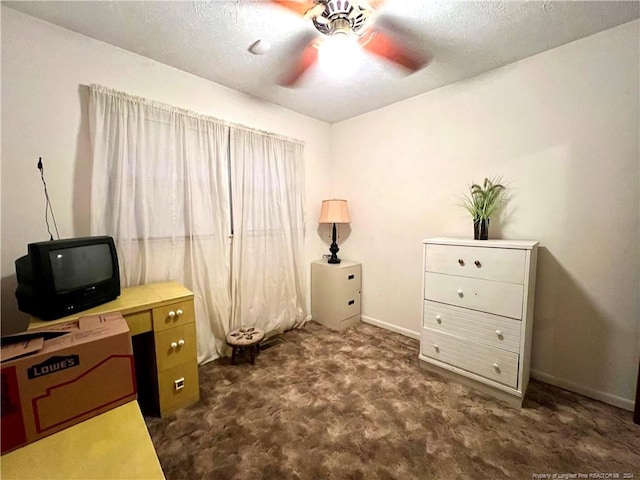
160 188
268 271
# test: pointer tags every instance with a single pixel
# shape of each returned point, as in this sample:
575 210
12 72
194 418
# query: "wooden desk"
114 445
161 319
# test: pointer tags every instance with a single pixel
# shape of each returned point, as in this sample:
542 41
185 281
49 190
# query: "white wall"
45 71
561 128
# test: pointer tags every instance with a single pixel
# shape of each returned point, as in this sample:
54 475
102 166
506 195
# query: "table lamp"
334 211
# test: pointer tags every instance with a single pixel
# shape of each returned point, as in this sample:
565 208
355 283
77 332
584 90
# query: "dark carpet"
357 405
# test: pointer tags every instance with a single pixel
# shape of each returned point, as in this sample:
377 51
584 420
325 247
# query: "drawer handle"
460 292
477 263
172 314
178 384
181 342
351 277
351 302
174 345
499 333
496 366
461 262
438 318
179 312
436 347
177 344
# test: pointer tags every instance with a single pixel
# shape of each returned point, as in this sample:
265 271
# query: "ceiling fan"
353 19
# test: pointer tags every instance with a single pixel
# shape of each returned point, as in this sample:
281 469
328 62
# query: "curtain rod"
170 108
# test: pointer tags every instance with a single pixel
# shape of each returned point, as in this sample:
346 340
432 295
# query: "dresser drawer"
492 363
497 264
485 328
178 387
484 295
169 316
175 346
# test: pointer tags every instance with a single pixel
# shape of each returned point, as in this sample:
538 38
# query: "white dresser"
335 293
477 313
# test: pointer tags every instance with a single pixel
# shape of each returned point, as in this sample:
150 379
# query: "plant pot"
481 229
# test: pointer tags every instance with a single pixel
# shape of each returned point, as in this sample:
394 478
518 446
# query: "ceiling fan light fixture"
338 54
349 14
340 26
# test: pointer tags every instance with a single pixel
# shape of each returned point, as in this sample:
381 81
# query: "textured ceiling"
212 39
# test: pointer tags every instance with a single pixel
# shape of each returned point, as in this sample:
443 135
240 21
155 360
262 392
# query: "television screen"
80 266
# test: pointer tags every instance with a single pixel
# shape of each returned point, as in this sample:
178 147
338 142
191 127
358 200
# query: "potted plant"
482 202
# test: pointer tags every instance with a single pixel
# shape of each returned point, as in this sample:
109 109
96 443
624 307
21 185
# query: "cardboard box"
54 377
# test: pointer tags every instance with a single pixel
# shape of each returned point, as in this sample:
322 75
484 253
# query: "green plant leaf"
484 201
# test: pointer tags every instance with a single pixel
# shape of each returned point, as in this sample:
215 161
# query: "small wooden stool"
242 338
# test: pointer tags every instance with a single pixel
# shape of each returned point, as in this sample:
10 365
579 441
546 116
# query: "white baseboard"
624 403
389 326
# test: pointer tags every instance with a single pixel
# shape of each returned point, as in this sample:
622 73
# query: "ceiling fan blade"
306 59
383 46
300 7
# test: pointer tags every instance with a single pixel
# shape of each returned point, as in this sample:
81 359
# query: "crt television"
61 277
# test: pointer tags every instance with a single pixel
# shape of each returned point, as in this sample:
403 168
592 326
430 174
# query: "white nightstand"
335 293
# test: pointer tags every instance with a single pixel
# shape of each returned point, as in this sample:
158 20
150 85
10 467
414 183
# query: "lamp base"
334 248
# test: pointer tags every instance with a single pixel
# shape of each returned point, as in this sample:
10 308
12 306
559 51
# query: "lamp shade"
334 211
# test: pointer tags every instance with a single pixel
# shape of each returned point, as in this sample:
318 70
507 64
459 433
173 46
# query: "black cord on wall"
47 206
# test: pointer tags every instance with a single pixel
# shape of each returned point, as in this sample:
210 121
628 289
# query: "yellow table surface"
113 445
131 299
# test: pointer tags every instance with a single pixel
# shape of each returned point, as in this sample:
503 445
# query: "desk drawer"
494 297
175 346
492 330
173 315
501 265
139 322
178 387
492 363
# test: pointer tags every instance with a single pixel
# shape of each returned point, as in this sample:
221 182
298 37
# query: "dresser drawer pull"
477 263
499 333
351 302
438 318
181 342
172 314
459 291
496 366
436 347
177 344
179 312
178 384
351 277
461 262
